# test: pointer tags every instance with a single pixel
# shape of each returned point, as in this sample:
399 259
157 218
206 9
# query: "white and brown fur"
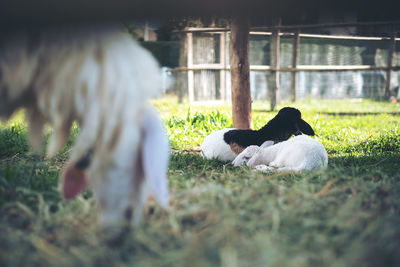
101 78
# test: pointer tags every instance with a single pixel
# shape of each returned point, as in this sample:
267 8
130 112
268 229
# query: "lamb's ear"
267 144
304 127
155 156
73 182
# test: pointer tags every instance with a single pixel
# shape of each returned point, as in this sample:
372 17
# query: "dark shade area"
22 13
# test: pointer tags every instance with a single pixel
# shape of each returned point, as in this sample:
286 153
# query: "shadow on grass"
359 113
387 162
339 113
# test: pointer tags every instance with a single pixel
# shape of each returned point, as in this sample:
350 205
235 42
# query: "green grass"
347 215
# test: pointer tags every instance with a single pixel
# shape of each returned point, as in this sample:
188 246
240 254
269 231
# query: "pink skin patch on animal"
73 182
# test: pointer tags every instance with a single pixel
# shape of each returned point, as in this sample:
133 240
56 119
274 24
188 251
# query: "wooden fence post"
190 81
222 79
240 73
182 64
295 62
392 46
275 64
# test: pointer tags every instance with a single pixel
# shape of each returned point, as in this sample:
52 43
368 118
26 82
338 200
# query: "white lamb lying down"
296 154
101 78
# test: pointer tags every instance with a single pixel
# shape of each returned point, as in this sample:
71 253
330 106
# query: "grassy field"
347 215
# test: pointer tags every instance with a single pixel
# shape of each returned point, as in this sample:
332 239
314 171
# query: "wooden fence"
274 68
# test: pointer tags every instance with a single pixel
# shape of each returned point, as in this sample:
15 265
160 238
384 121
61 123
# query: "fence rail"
300 68
296 27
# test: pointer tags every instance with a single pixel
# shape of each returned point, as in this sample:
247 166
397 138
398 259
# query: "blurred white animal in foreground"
296 154
101 78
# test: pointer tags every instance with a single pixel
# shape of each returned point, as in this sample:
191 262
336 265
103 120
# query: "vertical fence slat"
222 82
240 73
182 63
190 81
275 64
392 46
295 61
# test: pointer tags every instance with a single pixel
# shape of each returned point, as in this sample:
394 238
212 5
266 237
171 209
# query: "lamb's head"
293 117
260 155
123 178
263 156
245 155
286 123
255 160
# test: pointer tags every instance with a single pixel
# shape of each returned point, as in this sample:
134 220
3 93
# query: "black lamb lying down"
226 144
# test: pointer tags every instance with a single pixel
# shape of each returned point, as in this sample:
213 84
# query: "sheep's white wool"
155 155
298 153
100 77
214 147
